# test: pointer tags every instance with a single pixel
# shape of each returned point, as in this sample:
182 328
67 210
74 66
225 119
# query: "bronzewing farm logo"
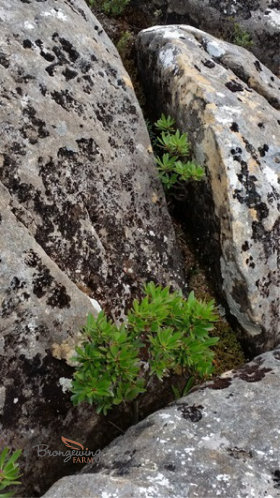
76 453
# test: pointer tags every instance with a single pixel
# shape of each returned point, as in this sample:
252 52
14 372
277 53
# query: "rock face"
41 311
225 19
227 101
222 440
81 210
76 155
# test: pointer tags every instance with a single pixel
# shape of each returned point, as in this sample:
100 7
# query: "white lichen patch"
55 13
167 57
215 49
274 18
66 384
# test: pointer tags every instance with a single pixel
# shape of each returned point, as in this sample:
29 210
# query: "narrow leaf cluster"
174 165
110 7
9 471
164 333
241 37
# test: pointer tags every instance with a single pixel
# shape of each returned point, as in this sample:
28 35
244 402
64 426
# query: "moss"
229 352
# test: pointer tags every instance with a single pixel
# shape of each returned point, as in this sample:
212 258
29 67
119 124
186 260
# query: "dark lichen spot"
263 150
192 413
42 281
257 66
276 478
236 152
27 44
50 69
43 89
260 125
58 297
234 86
220 383
245 246
69 49
269 238
69 74
4 61
208 63
252 373
170 466
84 66
239 453
47 56
234 127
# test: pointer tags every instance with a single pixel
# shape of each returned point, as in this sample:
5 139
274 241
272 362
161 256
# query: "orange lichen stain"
127 81
192 73
252 165
209 116
155 198
253 214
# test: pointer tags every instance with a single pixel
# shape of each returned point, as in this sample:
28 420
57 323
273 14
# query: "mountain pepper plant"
9 471
164 334
174 165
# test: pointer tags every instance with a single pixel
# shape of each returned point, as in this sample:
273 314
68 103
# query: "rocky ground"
85 222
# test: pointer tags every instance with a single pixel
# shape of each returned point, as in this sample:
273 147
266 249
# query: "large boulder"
227 101
76 155
222 440
252 22
41 314
83 217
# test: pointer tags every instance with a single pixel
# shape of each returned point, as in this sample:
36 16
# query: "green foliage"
124 43
174 166
241 37
164 333
109 367
176 144
165 123
9 471
110 7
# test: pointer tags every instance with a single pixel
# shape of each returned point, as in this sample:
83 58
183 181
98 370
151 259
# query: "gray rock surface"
221 440
76 155
42 311
228 102
82 216
258 18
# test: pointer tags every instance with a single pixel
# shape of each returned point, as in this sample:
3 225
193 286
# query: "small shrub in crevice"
164 334
110 7
9 471
174 166
241 37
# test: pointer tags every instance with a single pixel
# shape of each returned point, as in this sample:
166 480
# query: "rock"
260 19
221 440
76 154
227 101
41 314
84 219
